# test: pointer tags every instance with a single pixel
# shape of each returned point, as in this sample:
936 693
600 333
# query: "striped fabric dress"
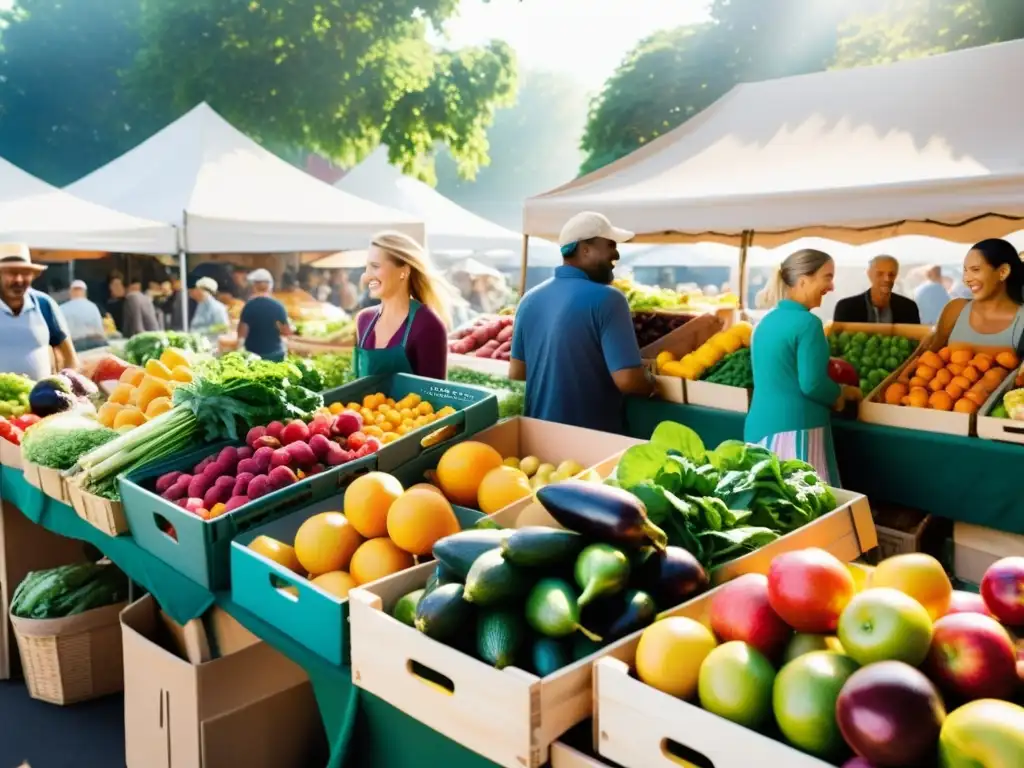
811 445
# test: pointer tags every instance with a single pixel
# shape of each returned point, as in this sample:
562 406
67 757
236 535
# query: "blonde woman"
407 331
793 394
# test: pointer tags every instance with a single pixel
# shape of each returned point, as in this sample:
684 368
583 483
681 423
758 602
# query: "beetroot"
249 467
175 492
320 446
274 429
281 458
355 441
200 485
374 443
266 442
320 425
258 487
346 422
219 494
245 452
213 470
164 482
294 432
224 481
236 501
281 477
228 455
242 484
337 456
301 454
202 465
254 434
262 457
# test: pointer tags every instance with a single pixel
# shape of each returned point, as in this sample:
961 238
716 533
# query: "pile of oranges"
953 379
144 393
388 419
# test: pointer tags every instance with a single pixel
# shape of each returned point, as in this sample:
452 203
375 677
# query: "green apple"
803 642
804 701
735 682
544 470
569 468
529 465
986 733
884 624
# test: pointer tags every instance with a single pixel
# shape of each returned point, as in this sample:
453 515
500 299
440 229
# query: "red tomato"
809 588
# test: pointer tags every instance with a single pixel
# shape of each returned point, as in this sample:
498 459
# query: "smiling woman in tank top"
994 316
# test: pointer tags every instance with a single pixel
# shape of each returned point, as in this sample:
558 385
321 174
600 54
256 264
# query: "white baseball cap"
207 284
260 276
588 224
78 284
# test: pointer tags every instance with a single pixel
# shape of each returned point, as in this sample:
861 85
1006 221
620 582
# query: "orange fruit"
916 382
107 413
971 374
278 551
945 354
919 575
337 583
463 467
932 360
961 356
367 501
424 487
994 376
940 401
132 376
157 406
895 393
158 369
670 653
378 558
955 369
925 372
943 377
976 397
326 542
121 395
982 362
918 398
965 405
1007 360
954 391
418 518
501 487
129 416
963 382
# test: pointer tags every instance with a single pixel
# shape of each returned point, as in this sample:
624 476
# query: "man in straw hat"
573 340
31 324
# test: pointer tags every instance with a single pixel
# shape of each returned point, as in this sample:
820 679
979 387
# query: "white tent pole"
183 270
745 243
522 265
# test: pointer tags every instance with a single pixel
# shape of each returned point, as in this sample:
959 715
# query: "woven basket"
73 659
49 481
103 514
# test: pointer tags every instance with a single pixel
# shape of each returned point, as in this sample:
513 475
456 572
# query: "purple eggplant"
672 577
601 513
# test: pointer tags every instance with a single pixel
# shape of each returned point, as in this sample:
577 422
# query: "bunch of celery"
228 397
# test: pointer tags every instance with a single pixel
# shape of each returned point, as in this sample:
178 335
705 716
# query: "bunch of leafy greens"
143 347
59 441
724 503
335 368
227 397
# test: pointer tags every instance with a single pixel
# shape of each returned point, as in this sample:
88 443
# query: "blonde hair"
802 263
424 286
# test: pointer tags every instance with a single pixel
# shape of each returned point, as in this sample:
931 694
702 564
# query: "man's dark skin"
597 258
13 285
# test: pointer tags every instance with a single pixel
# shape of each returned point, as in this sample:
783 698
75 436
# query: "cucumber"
459 551
405 608
552 610
549 655
541 547
601 570
493 581
439 577
443 615
615 617
500 637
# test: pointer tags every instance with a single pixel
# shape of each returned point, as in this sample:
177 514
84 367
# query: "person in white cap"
83 318
31 323
264 320
210 314
573 341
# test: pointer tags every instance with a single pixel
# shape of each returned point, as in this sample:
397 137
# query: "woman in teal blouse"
793 394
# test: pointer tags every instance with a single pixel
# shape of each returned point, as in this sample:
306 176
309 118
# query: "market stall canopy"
342 260
930 146
473 268
230 195
48 218
450 227
705 255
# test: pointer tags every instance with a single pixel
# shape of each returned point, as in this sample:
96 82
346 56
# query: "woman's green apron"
381 362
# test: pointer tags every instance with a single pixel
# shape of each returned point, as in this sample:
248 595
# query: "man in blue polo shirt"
573 340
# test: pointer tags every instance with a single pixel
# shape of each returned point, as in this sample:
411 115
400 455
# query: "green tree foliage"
531 149
83 81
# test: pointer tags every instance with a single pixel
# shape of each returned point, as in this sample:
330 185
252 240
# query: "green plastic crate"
316 619
202 548
476 409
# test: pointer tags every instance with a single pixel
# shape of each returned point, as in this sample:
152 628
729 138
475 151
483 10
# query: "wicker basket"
73 659
10 454
49 481
103 514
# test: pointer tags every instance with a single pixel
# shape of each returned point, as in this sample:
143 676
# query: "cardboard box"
902 530
510 716
719 396
253 707
24 547
975 548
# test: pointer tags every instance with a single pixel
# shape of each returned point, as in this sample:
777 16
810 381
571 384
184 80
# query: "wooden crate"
49 481
993 428
510 716
719 396
10 454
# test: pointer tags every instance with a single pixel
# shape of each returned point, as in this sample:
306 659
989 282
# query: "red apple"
972 656
967 602
809 588
740 611
1002 587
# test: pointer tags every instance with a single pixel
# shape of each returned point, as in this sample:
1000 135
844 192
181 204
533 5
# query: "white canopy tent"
928 146
227 194
47 218
450 227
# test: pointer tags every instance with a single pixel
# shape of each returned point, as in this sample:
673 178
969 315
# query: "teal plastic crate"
476 409
201 549
314 618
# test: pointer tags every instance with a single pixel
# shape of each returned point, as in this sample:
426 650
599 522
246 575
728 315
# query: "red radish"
320 425
219 494
200 485
274 429
281 477
294 432
259 487
202 465
365 450
337 456
301 454
245 452
166 481
236 501
263 457
320 446
228 455
175 493
225 481
249 467
254 434
242 484
355 441
345 423
374 443
281 458
183 503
